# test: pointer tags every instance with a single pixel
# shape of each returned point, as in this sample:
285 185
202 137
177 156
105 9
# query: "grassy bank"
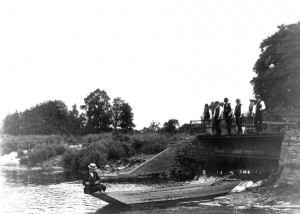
78 152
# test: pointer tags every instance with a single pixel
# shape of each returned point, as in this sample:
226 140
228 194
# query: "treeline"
53 117
98 115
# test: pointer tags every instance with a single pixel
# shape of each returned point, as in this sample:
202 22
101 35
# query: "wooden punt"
172 194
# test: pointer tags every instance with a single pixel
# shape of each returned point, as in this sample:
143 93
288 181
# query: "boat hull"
174 194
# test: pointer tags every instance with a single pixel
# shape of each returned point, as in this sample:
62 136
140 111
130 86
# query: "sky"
165 58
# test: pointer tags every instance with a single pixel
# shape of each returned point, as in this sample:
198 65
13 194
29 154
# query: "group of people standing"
217 111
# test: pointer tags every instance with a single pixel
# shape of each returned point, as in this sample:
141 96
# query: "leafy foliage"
122 115
98 112
51 117
278 68
193 157
171 126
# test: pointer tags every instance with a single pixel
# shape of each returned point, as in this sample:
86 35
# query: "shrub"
77 160
41 154
149 143
193 157
60 149
70 160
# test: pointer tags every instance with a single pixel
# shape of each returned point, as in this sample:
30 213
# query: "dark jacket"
227 110
237 111
90 179
206 114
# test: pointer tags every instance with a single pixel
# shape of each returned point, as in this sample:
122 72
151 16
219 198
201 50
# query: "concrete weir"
260 146
255 151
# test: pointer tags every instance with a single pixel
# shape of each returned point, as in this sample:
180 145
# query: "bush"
77 160
70 160
41 154
194 157
149 143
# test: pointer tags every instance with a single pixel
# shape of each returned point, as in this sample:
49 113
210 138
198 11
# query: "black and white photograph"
150 106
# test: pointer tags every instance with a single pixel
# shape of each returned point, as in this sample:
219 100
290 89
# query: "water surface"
50 190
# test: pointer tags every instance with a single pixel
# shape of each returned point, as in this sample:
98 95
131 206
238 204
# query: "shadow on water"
190 208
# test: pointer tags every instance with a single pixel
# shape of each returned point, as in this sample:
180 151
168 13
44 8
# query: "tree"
116 111
11 124
126 117
278 68
75 124
50 117
122 115
154 126
171 126
98 112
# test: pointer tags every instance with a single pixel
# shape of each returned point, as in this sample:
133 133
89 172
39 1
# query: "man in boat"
92 181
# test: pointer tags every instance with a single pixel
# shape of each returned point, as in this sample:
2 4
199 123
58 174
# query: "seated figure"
91 181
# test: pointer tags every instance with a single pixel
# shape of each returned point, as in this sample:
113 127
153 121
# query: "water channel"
51 190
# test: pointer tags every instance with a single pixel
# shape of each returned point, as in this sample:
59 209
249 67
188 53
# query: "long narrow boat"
172 194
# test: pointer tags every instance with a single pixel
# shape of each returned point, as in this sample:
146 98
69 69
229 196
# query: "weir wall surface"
258 152
251 146
290 158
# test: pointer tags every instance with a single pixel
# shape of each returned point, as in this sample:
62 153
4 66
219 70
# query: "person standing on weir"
228 115
238 115
207 116
217 117
258 118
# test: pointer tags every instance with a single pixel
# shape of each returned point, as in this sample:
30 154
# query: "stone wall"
290 158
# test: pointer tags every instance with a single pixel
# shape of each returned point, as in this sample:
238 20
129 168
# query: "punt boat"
170 194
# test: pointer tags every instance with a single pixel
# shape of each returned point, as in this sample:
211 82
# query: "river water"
50 190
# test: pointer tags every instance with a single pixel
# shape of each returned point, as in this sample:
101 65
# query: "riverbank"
110 151
112 167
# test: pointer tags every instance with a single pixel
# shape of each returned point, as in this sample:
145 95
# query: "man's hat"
225 99
206 105
238 100
92 166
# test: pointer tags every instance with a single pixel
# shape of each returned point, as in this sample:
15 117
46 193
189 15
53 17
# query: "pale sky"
165 58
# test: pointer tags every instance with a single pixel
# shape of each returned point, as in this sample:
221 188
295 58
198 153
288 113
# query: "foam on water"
11 158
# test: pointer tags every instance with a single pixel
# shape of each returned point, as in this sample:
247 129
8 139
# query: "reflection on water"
44 190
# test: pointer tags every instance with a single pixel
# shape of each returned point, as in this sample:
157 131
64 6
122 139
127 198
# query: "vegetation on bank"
78 151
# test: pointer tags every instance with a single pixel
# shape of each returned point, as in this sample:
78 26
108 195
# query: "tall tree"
122 114
278 68
126 117
74 121
98 111
116 111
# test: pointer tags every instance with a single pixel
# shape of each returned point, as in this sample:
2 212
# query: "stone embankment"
290 158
